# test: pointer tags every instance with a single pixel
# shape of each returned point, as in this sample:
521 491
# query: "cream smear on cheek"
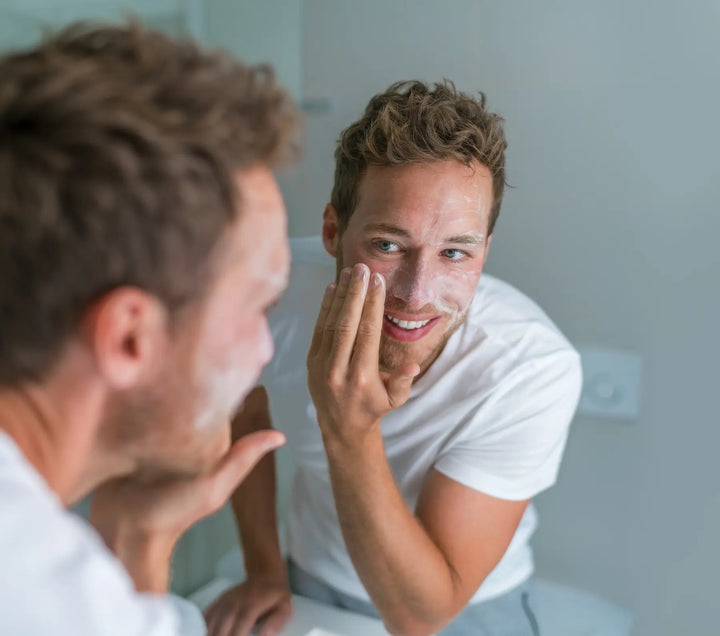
223 389
224 386
445 290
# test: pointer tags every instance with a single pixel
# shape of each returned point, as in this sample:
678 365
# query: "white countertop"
309 618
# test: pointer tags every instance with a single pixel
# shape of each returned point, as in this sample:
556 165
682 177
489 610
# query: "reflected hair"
414 122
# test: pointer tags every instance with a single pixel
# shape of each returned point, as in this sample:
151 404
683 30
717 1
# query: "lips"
408 328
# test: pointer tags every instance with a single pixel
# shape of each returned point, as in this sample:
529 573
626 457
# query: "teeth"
407 324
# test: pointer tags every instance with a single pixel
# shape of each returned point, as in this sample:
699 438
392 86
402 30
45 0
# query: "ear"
330 230
127 330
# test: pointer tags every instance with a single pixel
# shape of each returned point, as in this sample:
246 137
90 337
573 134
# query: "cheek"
232 372
459 286
252 346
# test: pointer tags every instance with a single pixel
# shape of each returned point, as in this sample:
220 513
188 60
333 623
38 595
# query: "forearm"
407 577
253 503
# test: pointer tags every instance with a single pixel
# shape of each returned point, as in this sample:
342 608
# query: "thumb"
241 459
399 383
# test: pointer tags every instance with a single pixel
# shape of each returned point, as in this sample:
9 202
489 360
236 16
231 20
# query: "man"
142 238
438 402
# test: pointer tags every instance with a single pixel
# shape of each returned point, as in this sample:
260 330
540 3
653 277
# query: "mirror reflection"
381 320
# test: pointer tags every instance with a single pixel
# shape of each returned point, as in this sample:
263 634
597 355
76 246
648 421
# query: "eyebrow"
468 238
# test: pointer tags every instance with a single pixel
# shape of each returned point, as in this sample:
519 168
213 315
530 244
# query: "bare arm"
253 503
264 598
419 569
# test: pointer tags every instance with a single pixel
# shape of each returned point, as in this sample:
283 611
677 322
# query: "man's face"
219 348
424 227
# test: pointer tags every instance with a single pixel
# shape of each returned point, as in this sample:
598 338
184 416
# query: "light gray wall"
612 226
266 31
611 115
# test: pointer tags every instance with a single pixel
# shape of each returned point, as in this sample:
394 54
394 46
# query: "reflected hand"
350 393
263 603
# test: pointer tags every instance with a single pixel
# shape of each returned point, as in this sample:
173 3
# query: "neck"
27 416
56 429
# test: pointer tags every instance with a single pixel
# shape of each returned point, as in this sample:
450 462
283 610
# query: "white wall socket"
611 383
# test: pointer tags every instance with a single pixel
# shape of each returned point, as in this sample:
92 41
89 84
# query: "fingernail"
330 289
360 271
345 276
276 442
377 280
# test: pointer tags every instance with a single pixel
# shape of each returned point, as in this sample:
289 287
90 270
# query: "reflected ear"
487 246
127 330
330 230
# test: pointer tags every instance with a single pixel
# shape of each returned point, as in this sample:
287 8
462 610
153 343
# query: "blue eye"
386 246
453 254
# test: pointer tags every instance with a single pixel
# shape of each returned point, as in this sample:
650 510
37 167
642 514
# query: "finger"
369 332
275 621
219 619
221 625
239 461
322 316
336 305
348 319
399 383
243 624
251 617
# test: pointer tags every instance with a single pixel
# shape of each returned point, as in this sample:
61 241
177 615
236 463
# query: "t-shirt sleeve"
511 445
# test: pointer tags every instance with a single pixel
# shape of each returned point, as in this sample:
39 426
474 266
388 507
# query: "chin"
215 450
200 453
394 355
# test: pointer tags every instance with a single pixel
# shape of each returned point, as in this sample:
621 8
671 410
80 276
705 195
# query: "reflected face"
218 349
423 227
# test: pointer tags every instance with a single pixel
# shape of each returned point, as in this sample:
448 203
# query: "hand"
141 521
262 602
350 393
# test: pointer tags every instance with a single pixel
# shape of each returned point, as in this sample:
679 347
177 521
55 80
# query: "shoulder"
54 557
509 344
515 322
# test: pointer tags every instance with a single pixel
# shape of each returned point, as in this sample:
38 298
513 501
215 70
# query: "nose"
412 283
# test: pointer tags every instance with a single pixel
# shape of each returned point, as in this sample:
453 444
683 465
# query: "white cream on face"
427 281
225 387
434 218
226 383
236 337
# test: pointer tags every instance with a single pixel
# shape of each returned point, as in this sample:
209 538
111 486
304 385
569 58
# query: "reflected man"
436 402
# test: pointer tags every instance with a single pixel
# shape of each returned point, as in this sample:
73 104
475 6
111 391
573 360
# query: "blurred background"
612 225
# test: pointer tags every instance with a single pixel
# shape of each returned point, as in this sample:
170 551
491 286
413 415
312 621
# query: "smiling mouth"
408 325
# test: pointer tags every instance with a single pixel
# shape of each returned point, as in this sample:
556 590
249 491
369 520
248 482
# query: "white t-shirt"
58 577
492 412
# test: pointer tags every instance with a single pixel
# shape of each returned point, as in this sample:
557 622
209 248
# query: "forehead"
445 195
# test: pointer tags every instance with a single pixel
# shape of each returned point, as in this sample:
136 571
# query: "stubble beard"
395 354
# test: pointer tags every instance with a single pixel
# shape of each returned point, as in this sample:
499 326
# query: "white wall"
612 226
266 31
611 115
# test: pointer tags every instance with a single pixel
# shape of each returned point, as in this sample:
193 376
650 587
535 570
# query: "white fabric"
492 413
57 575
